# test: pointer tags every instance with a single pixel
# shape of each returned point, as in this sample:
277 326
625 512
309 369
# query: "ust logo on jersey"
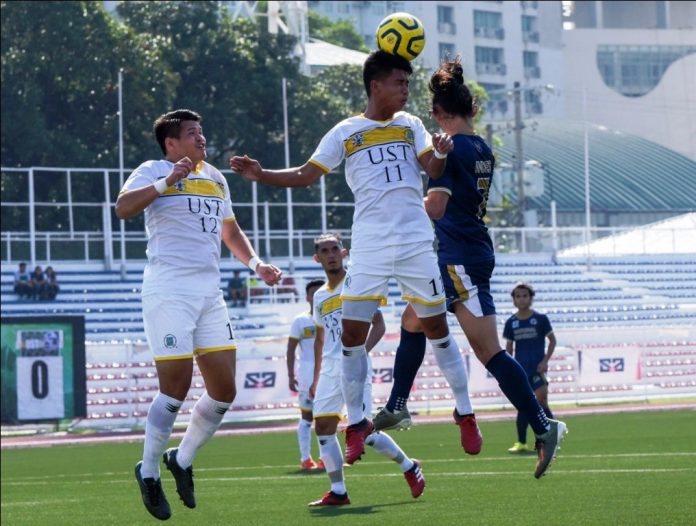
358 139
260 380
170 341
309 332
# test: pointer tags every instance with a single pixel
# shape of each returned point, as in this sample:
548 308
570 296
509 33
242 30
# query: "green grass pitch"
614 469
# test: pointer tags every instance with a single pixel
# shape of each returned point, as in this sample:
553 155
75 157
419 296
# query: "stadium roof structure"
627 173
674 235
320 54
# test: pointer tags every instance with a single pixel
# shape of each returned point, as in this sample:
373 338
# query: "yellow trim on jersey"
457 282
229 219
330 305
428 149
168 358
215 349
382 299
329 289
387 135
317 163
423 302
200 187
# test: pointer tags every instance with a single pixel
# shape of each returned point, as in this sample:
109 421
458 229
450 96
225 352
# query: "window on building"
532 102
445 20
446 50
530 32
530 60
488 24
634 71
497 102
490 60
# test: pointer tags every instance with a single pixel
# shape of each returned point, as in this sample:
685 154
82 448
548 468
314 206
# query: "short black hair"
169 125
314 283
380 64
324 237
523 285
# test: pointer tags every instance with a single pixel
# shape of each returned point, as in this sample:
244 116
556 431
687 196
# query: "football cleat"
182 477
471 437
330 499
547 446
355 439
415 479
518 447
320 465
386 419
308 465
153 496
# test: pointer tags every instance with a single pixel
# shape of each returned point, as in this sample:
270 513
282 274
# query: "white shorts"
328 399
415 268
177 327
304 401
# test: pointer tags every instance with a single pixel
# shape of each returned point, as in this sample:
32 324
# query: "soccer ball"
401 34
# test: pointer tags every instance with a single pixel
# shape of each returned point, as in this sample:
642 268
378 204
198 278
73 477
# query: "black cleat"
183 478
153 496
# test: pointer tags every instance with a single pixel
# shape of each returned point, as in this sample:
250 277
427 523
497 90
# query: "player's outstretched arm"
252 170
235 239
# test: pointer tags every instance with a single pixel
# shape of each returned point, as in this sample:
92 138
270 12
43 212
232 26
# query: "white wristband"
161 185
439 155
254 262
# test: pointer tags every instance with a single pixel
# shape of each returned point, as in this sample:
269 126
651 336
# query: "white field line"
430 475
86 477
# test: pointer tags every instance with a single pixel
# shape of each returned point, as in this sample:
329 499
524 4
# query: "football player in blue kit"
456 201
526 333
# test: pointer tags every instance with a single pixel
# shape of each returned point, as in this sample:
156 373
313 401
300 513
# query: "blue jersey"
461 233
530 339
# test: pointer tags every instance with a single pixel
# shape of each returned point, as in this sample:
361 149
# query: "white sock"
304 436
452 366
354 366
386 445
206 417
160 421
330 451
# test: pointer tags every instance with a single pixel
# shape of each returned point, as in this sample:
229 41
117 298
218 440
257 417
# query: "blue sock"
515 386
409 357
522 424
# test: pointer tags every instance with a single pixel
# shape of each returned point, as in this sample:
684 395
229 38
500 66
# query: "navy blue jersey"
530 339
461 233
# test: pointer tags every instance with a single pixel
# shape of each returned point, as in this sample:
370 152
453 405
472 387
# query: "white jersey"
327 314
383 172
184 229
304 330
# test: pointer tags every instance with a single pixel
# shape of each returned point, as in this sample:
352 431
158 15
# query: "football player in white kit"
301 374
188 212
384 150
326 388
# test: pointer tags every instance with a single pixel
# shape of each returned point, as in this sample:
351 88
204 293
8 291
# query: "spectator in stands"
38 284
300 378
22 281
237 290
526 333
52 287
188 212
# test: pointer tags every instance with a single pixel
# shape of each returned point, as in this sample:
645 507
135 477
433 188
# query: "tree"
341 33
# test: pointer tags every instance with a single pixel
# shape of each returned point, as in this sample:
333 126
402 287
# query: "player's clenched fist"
181 170
442 142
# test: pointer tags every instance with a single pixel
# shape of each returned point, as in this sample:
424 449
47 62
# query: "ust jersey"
304 330
461 233
530 339
184 229
383 172
328 310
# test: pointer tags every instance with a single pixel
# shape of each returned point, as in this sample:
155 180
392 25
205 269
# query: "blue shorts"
470 285
537 380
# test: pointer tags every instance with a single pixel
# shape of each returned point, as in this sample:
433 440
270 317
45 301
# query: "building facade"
500 43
